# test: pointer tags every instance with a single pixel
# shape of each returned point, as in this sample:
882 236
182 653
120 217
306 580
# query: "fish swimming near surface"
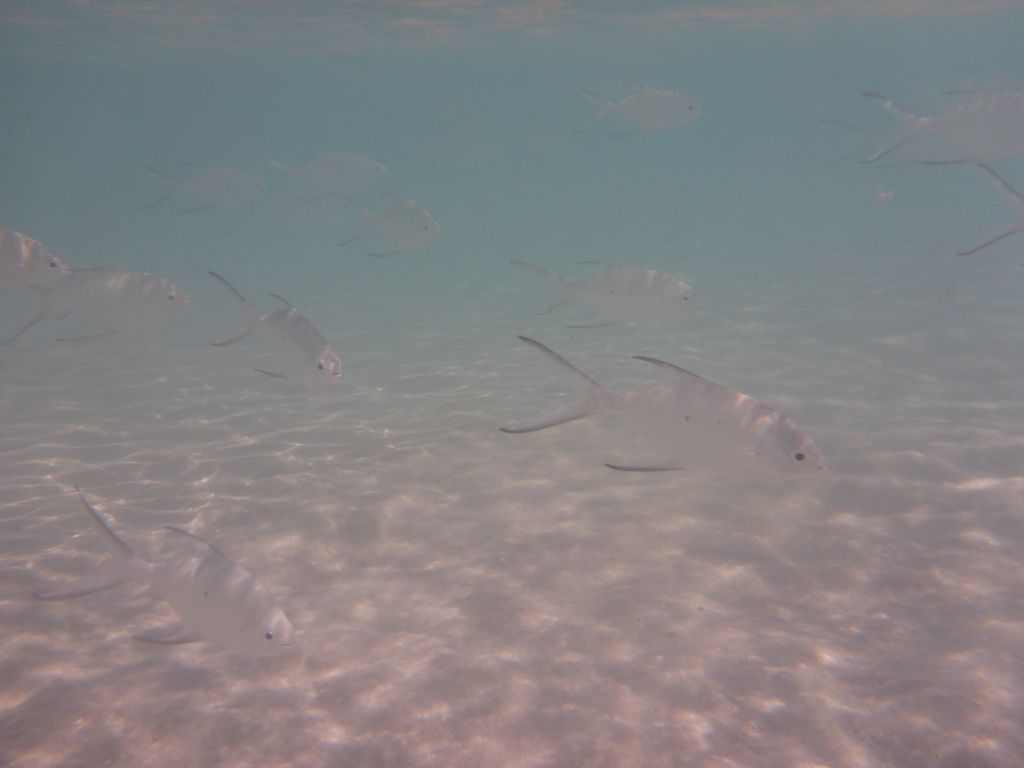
989 126
650 110
1015 200
210 187
693 424
25 262
622 294
406 223
336 173
297 343
108 300
216 599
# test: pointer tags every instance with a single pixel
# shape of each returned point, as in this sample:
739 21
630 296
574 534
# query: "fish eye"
799 456
320 365
269 635
171 296
54 263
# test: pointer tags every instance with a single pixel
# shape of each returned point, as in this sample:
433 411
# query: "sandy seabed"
469 598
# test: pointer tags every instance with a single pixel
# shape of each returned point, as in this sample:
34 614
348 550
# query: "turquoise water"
463 596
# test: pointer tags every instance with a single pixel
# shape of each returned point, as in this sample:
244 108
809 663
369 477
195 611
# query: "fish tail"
249 308
126 566
152 170
593 396
560 282
910 123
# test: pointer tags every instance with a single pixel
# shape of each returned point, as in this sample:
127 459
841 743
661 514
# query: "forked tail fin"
550 276
125 566
593 396
910 124
250 310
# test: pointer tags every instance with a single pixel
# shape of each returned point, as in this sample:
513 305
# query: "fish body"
296 342
25 262
109 300
989 126
337 173
693 424
625 295
406 223
648 110
216 599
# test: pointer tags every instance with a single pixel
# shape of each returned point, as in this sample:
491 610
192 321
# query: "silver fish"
649 109
405 222
622 294
108 300
693 423
987 127
211 187
216 599
25 262
296 341
337 173
1015 200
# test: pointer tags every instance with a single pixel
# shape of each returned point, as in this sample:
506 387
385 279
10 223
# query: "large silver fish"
298 344
210 187
650 110
25 262
987 127
216 599
336 173
108 300
693 424
622 294
406 223
1015 200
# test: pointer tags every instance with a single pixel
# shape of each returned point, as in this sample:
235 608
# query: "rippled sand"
469 598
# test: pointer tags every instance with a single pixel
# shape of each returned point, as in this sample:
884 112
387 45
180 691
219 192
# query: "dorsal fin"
673 367
192 536
282 299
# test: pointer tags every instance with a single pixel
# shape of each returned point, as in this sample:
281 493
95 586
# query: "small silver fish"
623 294
25 262
216 599
296 341
211 187
649 109
1016 201
693 423
405 222
988 127
337 173
109 300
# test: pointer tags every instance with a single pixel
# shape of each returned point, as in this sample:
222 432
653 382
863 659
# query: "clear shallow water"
465 597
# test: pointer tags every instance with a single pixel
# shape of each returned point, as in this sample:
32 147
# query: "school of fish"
689 424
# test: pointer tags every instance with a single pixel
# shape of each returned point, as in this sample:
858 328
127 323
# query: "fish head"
172 295
274 635
329 365
35 263
794 452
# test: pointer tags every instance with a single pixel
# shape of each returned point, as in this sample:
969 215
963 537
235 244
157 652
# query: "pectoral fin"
165 636
269 373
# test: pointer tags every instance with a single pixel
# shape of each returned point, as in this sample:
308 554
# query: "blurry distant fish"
108 300
302 349
216 599
211 187
1015 200
405 222
693 424
883 195
988 127
25 262
649 109
622 294
336 173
